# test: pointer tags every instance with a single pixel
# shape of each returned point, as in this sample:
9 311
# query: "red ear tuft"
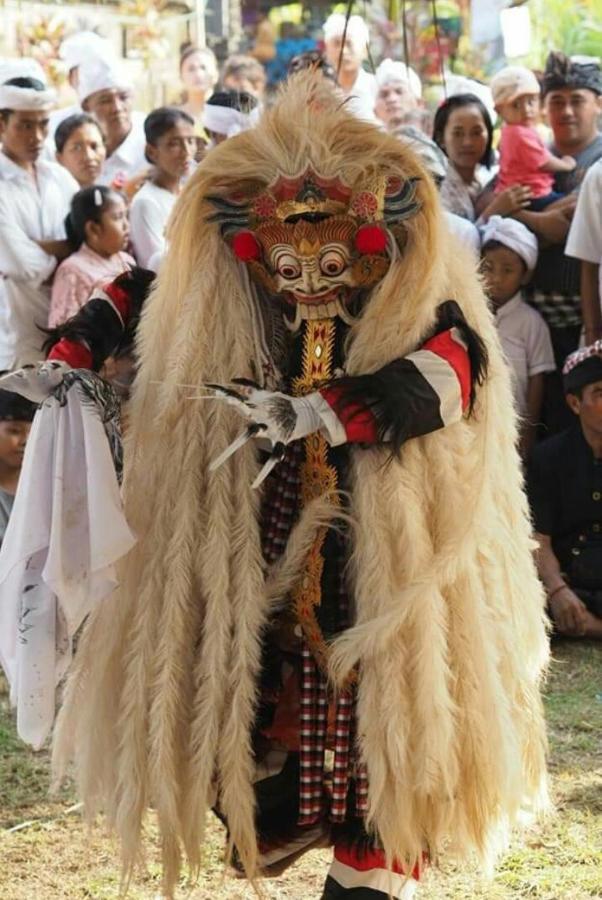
246 246
370 239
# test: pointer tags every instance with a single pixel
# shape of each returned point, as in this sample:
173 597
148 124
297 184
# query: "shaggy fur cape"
449 637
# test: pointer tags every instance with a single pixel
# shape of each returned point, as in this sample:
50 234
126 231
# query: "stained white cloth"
149 212
30 211
391 71
585 237
23 99
84 46
100 75
514 235
128 159
64 536
526 343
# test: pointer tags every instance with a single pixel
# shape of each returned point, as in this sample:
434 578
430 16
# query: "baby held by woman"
525 160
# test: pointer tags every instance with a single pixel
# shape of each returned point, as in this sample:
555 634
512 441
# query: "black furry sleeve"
420 393
105 325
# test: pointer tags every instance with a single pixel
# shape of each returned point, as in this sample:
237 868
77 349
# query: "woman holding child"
464 131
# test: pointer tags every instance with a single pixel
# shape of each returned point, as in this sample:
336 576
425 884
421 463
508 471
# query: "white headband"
25 99
225 120
99 75
21 67
83 46
390 71
357 30
515 236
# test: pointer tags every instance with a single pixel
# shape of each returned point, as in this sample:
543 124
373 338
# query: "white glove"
274 416
36 381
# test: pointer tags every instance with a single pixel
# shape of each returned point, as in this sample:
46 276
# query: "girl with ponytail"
98 230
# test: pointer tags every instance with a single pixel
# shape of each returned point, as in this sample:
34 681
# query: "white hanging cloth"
65 534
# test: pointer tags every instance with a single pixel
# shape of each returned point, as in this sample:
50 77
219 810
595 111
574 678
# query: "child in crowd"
97 227
80 148
524 159
170 147
228 113
509 257
16 414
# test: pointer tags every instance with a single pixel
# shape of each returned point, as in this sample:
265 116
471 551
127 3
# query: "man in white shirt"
354 82
107 94
34 200
585 243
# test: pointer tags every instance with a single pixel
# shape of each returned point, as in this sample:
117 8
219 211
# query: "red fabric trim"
452 351
77 355
120 298
357 420
363 860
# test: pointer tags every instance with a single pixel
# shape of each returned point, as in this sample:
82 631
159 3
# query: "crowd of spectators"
87 191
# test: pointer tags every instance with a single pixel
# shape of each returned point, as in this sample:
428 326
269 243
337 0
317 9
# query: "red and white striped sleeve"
420 393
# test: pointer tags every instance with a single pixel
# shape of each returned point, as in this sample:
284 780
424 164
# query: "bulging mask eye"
333 262
287 265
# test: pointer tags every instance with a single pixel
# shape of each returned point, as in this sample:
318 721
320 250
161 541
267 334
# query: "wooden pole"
199 21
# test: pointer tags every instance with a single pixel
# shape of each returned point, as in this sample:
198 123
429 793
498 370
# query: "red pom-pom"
246 246
370 239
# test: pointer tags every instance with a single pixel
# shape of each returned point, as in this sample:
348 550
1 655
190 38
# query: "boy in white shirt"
170 148
509 255
585 243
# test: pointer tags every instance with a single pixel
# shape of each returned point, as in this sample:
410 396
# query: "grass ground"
47 853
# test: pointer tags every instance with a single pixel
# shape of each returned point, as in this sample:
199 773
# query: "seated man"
565 490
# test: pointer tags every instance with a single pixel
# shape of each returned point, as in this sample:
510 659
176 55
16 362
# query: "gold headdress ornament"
389 200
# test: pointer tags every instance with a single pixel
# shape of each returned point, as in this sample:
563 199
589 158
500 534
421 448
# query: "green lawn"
47 853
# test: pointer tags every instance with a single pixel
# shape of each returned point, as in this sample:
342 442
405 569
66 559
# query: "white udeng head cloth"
83 47
21 67
357 30
99 75
225 120
515 236
21 99
390 71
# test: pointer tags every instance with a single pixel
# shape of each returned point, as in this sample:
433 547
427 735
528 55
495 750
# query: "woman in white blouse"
170 148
